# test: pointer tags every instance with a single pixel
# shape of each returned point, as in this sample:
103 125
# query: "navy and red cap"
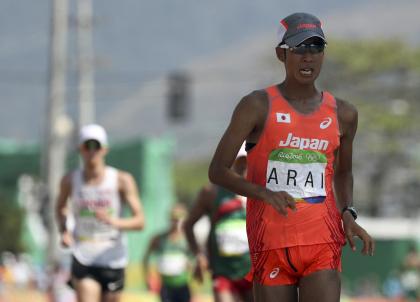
297 27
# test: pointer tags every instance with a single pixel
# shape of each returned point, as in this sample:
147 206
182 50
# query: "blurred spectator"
58 290
392 287
410 277
368 287
8 260
1 280
40 277
17 270
21 272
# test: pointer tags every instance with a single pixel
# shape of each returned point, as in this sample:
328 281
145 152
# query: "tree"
11 225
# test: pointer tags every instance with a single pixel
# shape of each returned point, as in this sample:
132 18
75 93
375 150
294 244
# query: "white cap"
93 132
242 151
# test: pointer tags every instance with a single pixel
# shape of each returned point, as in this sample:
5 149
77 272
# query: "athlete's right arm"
146 260
201 207
247 123
61 210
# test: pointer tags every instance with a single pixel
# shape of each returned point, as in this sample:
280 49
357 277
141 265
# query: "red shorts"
221 284
286 266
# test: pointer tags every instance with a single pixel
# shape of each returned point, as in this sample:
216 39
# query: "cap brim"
90 139
84 140
302 36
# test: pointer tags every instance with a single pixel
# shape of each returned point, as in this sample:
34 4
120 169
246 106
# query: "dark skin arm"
343 176
247 123
146 259
201 207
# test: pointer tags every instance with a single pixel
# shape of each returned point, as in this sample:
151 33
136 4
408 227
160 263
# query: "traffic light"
178 99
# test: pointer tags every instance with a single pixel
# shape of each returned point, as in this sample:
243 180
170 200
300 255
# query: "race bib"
231 237
89 228
301 173
172 264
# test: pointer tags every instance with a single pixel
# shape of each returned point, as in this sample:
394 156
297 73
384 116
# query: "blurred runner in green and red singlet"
172 257
227 255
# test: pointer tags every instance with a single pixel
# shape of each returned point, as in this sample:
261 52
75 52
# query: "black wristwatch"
352 211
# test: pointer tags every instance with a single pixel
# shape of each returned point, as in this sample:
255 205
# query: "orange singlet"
295 153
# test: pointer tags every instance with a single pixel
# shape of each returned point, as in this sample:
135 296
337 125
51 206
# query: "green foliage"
383 128
189 178
379 77
383 119
16 160
11 225
364 56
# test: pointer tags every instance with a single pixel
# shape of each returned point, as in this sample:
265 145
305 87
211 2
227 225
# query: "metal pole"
57 126
85 55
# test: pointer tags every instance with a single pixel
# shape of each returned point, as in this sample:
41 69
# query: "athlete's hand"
201 267
280 201
66 239
152 283
352 229
103 216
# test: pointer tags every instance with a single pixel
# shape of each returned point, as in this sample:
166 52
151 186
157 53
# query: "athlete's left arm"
129 193
343 176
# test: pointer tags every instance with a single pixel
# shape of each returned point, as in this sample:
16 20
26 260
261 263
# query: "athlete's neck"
176 230
94 172
293 91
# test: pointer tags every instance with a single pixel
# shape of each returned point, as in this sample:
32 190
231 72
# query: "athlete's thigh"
246 296
229 296
111 296
183 294
87 290
275 293
320 286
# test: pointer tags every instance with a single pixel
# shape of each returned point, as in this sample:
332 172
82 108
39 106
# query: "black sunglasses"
305 48
91 145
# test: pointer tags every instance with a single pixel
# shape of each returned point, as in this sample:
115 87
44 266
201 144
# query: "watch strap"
352 211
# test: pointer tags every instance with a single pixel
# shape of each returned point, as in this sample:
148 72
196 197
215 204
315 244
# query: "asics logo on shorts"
114 285
274 273
325 123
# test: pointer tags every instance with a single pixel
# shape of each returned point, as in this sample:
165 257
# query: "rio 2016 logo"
312 157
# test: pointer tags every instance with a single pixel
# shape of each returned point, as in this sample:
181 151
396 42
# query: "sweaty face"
178 215
303 64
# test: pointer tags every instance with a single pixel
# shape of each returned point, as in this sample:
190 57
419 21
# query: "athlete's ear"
105 150
281 54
